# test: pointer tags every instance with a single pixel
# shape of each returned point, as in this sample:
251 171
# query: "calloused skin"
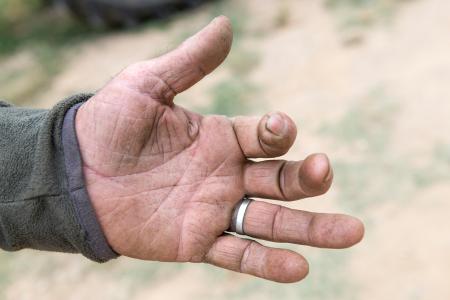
164 180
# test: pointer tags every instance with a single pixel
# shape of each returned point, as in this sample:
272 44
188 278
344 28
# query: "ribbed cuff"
95 238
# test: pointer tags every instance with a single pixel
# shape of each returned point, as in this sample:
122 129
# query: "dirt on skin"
308 69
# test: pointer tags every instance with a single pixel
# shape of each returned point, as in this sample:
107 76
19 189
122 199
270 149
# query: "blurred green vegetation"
371 4
367 124
42 33
362 13
364 130
31 25
14 11
236 94
26 23
375 171
5 271
232 97
45 30
47 35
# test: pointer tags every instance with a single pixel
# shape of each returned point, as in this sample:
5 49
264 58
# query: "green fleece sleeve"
37 209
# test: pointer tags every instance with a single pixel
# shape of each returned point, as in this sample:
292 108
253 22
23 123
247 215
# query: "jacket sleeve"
44 204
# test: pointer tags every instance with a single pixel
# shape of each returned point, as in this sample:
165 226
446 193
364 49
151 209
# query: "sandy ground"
378 105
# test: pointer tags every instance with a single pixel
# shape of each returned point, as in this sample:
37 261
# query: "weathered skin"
164 180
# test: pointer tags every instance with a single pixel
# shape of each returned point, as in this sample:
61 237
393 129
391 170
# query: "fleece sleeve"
43 201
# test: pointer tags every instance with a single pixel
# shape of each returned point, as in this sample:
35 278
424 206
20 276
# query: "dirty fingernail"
329 175
276 124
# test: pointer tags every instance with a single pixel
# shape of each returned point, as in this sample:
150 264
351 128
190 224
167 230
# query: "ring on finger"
237 220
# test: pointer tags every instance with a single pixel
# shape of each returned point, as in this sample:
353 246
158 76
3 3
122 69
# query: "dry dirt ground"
375 98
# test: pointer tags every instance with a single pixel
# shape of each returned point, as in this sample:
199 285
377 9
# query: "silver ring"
237 221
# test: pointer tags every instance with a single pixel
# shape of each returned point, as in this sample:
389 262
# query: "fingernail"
276 124
215 19
329 175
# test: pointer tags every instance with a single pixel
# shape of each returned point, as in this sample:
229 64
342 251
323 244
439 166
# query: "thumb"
164 77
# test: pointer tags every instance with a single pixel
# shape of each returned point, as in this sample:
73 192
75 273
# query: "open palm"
164 180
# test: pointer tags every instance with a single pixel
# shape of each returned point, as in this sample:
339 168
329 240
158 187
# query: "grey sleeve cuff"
84 210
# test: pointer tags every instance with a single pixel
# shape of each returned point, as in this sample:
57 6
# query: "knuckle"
245 257
276 225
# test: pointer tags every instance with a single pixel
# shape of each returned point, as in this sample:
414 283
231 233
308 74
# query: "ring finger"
281 224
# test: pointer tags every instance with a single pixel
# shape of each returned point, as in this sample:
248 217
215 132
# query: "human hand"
164 180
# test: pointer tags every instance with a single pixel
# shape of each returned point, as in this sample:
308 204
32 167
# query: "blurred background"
367 81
